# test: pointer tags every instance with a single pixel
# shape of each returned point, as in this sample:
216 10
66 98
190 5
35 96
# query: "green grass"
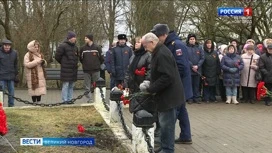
59 122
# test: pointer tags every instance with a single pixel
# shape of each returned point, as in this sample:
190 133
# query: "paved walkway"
216 127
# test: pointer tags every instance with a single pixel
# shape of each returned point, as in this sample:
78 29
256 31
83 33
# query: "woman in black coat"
139 67
211 70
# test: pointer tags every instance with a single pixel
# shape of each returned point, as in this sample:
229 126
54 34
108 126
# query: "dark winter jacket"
91 58
180 52
265 66
211 66
108 60
231 79
67 56
196 57
165 79
120 61
140 59
8 64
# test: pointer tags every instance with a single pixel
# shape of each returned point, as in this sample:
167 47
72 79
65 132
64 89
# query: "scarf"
34 72
138 54
135 80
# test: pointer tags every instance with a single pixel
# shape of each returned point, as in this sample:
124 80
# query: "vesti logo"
234 11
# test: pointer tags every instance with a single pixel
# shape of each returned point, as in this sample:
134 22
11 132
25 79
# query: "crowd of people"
159 63
204 71
67 54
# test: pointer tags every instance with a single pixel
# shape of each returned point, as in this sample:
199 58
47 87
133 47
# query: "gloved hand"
144 85
233 70
103 66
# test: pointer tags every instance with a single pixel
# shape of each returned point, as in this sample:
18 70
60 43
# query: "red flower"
80 128
237 64
3 121
94 85
125 100
120 86
204 81
140 72
262 91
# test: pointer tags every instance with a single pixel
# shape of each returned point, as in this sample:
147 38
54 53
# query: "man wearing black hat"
67 56
91 59
8 69
120 59
179 51
196 59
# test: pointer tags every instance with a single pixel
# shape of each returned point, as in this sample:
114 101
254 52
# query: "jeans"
10 85
195 86
184 123
167 121
89 79
231 91
209 93
67 90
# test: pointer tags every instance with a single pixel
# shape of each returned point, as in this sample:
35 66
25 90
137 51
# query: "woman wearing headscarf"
34 64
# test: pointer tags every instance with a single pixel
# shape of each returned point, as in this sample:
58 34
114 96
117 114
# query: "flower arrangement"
237 64
3 121
126 97
140 72
205 83
262 91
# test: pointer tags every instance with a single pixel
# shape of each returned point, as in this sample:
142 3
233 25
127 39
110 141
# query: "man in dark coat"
8 69
120 59
108 64
91 59
196 59
166 84
265 66
67 56
179 51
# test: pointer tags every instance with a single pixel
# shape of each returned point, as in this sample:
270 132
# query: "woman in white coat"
248 81
34 63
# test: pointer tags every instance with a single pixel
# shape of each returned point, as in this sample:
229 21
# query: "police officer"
120 59
179 51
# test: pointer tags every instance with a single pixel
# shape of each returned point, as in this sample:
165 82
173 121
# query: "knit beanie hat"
89 36
70 35
245 46
250 47
160 29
